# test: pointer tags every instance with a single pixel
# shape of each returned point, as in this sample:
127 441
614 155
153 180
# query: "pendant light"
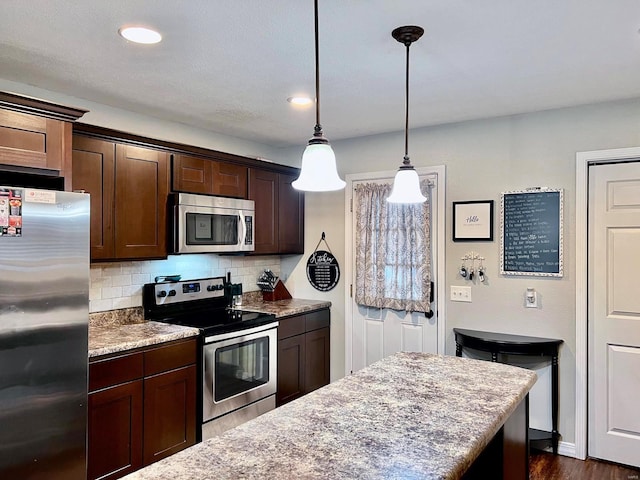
406 185
318 172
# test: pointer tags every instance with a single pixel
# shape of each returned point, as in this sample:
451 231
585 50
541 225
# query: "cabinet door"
192 174
141 193
291 369
93 172
33 141
263 190
229 180
291 216
115 431
317 362
169 413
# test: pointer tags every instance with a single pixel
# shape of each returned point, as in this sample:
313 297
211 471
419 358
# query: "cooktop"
200 303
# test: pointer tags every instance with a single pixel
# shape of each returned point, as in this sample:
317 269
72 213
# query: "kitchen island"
411 415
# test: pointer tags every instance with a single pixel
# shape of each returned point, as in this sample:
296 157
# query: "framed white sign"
473 221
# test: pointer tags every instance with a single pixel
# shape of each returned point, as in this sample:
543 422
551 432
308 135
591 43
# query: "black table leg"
555 435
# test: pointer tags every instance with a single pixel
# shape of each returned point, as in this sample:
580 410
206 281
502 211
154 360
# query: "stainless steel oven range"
238 354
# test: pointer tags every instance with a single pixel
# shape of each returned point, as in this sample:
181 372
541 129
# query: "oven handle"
239 333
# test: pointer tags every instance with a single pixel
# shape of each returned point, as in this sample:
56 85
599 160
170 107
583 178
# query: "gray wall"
484 158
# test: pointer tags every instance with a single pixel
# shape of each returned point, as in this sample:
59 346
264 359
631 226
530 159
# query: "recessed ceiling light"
303 101
140 35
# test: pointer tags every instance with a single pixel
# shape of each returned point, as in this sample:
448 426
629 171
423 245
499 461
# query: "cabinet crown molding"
36 106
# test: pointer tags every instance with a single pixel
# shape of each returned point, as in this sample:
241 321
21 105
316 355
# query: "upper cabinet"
130 177
279 222
290 216
264 191
201 175
129 187
94 172
36 134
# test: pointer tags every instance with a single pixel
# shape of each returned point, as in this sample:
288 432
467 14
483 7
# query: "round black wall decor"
323 270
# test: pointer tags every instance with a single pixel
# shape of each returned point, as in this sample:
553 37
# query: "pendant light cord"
318 127
406 118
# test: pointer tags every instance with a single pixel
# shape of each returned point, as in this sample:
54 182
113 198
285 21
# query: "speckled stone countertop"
120 330
409 416
253 302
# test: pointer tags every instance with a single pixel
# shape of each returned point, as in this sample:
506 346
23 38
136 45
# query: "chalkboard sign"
531 232
323 271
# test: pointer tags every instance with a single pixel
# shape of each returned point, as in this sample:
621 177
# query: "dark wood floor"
546 466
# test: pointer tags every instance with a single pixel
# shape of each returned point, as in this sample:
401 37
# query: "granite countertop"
411 415
253 302
125 329
121 330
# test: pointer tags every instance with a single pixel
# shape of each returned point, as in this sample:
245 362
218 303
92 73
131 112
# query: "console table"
502 343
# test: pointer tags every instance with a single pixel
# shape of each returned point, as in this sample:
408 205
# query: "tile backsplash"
119 284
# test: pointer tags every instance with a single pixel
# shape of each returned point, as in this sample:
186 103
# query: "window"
393 251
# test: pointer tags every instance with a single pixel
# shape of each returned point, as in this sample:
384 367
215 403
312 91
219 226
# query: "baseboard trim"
565 449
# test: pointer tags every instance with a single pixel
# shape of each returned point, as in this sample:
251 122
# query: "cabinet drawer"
169 357
288 327
316 320
115 370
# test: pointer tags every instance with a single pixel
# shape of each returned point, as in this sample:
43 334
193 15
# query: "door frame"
439 254
583 160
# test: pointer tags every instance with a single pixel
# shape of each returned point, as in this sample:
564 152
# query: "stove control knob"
172 293
210 288
162 293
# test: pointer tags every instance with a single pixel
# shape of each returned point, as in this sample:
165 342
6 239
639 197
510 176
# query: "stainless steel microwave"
208 224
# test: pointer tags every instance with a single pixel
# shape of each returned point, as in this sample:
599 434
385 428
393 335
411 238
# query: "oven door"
239 368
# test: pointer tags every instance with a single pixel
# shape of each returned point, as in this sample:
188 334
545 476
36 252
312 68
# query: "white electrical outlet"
460 294
531 298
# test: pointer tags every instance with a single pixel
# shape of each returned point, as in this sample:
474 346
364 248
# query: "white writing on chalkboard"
531 225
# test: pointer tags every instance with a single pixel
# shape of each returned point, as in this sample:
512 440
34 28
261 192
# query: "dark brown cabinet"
208 176
303 354
129 187
94 172
263 190
36 134
290 216
142 408
279 222
115 431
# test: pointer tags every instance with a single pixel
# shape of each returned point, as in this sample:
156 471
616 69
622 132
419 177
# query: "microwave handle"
242 229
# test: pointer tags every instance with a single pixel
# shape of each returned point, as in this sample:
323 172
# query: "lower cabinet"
115 431
142 408
303 354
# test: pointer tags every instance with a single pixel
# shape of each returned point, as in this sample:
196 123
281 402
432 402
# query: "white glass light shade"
406 187
318 171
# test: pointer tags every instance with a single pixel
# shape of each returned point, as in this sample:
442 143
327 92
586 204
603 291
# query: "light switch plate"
460 294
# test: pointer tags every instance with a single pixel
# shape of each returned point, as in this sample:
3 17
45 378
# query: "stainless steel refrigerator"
44 313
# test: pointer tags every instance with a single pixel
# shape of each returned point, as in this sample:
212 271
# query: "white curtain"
393 250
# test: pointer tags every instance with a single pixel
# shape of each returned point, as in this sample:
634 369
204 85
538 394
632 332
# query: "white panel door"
614 312
377 333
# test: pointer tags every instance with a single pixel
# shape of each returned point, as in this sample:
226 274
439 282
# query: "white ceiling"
229 65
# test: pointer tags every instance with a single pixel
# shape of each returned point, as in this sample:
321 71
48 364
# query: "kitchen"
482 157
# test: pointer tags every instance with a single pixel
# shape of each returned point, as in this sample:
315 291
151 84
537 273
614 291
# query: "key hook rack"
469 272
